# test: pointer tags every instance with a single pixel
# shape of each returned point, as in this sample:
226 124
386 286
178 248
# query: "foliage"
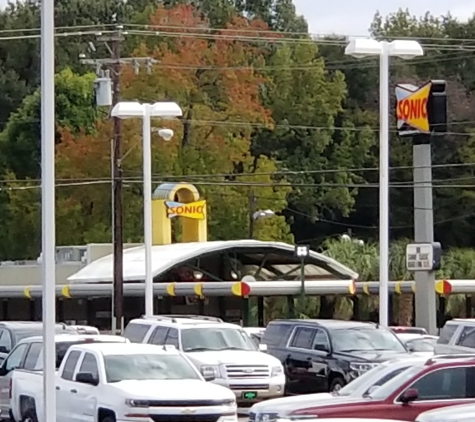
269 113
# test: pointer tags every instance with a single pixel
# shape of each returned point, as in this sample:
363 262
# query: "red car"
439 382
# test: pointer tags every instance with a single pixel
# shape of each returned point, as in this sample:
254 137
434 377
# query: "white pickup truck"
28 355
124 383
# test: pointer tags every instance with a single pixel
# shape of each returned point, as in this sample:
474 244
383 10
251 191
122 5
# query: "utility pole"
252 210
114 64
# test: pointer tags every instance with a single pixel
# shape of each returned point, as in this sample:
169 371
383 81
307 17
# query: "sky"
326 17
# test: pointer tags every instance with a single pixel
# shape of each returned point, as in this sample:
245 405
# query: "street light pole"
165 110
147 208
48 227
384 184
405 49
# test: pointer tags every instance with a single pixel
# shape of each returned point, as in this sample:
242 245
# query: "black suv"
324 355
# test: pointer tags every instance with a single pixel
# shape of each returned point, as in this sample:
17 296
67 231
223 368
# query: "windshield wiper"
199 349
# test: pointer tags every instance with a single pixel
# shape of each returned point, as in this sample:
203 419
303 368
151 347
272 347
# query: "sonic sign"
412 109
193 210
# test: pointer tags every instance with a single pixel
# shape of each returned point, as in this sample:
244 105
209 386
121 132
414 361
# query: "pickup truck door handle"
74 391
57 388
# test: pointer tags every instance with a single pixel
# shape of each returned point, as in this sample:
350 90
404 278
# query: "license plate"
249 395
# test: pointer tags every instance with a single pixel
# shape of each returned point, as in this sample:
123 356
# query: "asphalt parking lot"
242 418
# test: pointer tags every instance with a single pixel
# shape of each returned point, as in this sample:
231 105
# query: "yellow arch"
194 230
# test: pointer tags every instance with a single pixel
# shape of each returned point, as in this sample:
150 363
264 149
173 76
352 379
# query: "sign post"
421 112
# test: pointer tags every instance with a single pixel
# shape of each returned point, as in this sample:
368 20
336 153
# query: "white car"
460 413
123 382
270 410
218 348
420 344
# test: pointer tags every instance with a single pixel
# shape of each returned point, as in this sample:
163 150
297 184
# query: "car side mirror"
86 378
411 347
3 369
263 347
321 348
4 349
372 389
409 396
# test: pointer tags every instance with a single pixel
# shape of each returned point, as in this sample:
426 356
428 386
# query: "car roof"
26 324
128 348
184 322
457 411
329 323
58 338
343 420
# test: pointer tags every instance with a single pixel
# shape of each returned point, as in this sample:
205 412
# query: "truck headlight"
359 368
277 370
137 403
267 417
213 370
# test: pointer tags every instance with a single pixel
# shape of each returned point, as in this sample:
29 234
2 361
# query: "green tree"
20 140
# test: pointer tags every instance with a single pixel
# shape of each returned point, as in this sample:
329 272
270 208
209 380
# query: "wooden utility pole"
113 43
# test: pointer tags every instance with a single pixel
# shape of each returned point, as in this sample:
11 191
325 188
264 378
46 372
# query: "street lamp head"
166 110
263 214
128 110
302 251
134 109
363 47
405 49
166 134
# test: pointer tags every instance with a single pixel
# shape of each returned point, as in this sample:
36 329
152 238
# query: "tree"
19 142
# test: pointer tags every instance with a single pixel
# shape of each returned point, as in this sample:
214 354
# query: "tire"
108 419
30 416
336 384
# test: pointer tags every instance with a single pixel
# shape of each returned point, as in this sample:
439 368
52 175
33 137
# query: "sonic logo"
194 210
411 110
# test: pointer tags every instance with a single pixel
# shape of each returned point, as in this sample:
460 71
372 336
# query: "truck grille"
189 403
185 418
249 386
247 371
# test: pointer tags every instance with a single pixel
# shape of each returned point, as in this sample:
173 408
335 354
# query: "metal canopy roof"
165 257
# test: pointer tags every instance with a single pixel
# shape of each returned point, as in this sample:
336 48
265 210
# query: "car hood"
235 357
463 412
172 390
285 405
328 405
375 356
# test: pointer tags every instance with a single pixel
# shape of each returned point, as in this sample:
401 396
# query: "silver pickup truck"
457 336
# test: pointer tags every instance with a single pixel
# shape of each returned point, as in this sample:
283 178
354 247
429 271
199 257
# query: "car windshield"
365 339
148 367
387 389
216 338
421 345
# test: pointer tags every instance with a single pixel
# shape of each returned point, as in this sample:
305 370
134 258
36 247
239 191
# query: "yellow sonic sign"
411 111
194 210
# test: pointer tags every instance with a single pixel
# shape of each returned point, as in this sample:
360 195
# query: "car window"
320 341
467 337
275 333
70 365
16 357
447 383
34 352
447 333
172 337
136 332
89 364
303 338
5 341
367 338
159 335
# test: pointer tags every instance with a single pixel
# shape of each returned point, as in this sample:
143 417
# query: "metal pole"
147 209
425 303
302 278
384 185
48 232
252 210
113 320
117 190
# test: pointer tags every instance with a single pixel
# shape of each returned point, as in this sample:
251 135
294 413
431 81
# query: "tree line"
270 112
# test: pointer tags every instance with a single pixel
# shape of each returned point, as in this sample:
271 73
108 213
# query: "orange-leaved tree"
213 75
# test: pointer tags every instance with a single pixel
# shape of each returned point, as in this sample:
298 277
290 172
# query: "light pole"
165 110
406 49
302 252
